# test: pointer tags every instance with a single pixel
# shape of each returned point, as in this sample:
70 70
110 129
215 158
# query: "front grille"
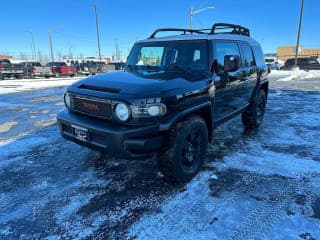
92 107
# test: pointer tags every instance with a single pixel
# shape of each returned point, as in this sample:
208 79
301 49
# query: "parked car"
61 69
100 67
5 68
171 96
272 63
311 63
10 70
118 65
35 69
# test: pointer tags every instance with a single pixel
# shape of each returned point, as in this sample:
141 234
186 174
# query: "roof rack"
235 29
183 30
216 29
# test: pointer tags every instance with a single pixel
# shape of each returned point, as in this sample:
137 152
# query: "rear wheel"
252 118
185 150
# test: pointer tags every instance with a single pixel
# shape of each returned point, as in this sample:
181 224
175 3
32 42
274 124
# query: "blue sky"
272 22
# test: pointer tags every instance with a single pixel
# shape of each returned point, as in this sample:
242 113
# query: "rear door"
227 83
249 73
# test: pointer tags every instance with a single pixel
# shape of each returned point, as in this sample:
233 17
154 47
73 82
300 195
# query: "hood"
138 83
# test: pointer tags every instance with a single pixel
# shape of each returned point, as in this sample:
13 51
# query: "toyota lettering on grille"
90 106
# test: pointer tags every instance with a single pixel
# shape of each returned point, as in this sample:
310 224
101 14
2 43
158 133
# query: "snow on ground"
262 184
294 75
21 85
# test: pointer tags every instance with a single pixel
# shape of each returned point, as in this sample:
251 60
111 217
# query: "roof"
185 37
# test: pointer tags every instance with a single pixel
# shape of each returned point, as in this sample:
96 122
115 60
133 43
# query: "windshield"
178 55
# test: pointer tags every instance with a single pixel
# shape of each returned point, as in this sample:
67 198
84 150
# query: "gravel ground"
254 185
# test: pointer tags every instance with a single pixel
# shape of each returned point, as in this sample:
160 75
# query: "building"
285 52
3 56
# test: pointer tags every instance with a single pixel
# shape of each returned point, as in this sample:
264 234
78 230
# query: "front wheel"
185 150
252 118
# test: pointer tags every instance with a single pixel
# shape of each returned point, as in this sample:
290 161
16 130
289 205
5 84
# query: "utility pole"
190 17
97 29
33 58
33 46
299 30
117 56
70 50
193 12
51 48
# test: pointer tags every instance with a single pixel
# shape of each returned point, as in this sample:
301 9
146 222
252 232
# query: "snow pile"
22 85
293 75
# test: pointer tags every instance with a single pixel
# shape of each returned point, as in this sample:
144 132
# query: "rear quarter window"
258 55
247 58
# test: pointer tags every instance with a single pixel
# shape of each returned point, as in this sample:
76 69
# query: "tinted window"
303 61
36 64
290 62
221 50
313 61
59 64
247 56
5 62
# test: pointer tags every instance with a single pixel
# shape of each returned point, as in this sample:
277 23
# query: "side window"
247 56
221 50
196 55
313 61
290 62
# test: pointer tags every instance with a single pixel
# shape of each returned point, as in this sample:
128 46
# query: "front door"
227 84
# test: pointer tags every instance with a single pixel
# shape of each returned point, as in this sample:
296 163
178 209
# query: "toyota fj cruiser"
173 93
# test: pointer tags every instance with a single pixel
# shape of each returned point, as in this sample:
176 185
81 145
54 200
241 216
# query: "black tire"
185 150
252 118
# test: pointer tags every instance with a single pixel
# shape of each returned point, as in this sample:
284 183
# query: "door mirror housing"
231 63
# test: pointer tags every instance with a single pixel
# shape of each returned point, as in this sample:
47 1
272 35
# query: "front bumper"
114 139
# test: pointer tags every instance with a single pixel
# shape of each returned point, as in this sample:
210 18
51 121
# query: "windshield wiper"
178 68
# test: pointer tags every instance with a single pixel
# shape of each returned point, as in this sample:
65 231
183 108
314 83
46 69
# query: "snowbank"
294 75
22 85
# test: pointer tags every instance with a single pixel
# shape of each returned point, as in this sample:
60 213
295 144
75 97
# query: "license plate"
80 133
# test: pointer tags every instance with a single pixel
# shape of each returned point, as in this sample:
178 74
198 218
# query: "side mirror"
231 63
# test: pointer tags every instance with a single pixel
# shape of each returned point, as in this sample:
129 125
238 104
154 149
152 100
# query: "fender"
167 124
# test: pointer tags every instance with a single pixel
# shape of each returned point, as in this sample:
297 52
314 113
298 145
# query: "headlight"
149 110
67 100
122 112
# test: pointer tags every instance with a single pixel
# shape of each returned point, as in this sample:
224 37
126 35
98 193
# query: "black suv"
172 94
307 63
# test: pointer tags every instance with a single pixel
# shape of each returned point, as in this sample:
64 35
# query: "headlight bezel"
67 100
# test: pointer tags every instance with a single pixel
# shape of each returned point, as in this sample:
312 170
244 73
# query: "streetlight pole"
193 12
51 47
97 29
33 46
298 36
